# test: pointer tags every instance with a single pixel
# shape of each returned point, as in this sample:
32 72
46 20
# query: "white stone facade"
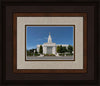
50 48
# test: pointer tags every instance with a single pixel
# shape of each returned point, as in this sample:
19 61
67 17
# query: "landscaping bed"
49 55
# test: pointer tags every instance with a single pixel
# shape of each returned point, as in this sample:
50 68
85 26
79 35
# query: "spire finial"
49 38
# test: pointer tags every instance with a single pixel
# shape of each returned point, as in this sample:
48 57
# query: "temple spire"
49 38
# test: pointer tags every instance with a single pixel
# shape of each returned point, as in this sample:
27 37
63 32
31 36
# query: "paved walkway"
50 58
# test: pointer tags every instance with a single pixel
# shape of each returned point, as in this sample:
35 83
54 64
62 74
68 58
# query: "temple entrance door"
49 50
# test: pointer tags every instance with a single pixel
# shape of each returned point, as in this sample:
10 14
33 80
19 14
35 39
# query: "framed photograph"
41 47
34 43
49 43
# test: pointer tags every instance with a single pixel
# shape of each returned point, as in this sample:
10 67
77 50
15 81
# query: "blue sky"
39 34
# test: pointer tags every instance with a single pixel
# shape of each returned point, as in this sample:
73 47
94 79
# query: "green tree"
70 48
61 49
29 53
64 49
58 49
41 49
31 50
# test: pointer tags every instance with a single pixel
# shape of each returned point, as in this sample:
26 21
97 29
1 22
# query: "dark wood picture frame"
85 79
84 15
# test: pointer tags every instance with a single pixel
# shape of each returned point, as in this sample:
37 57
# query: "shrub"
46 54
69 54
36 54
52 54
49 55
29 53
62 54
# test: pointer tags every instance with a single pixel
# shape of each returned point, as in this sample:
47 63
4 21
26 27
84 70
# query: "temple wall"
44 50
53 50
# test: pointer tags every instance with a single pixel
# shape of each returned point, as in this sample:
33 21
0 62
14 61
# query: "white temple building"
50 47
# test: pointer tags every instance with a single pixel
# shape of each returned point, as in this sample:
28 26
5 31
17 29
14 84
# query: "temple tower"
49 39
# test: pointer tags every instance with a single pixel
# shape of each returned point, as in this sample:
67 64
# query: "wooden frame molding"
84 70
